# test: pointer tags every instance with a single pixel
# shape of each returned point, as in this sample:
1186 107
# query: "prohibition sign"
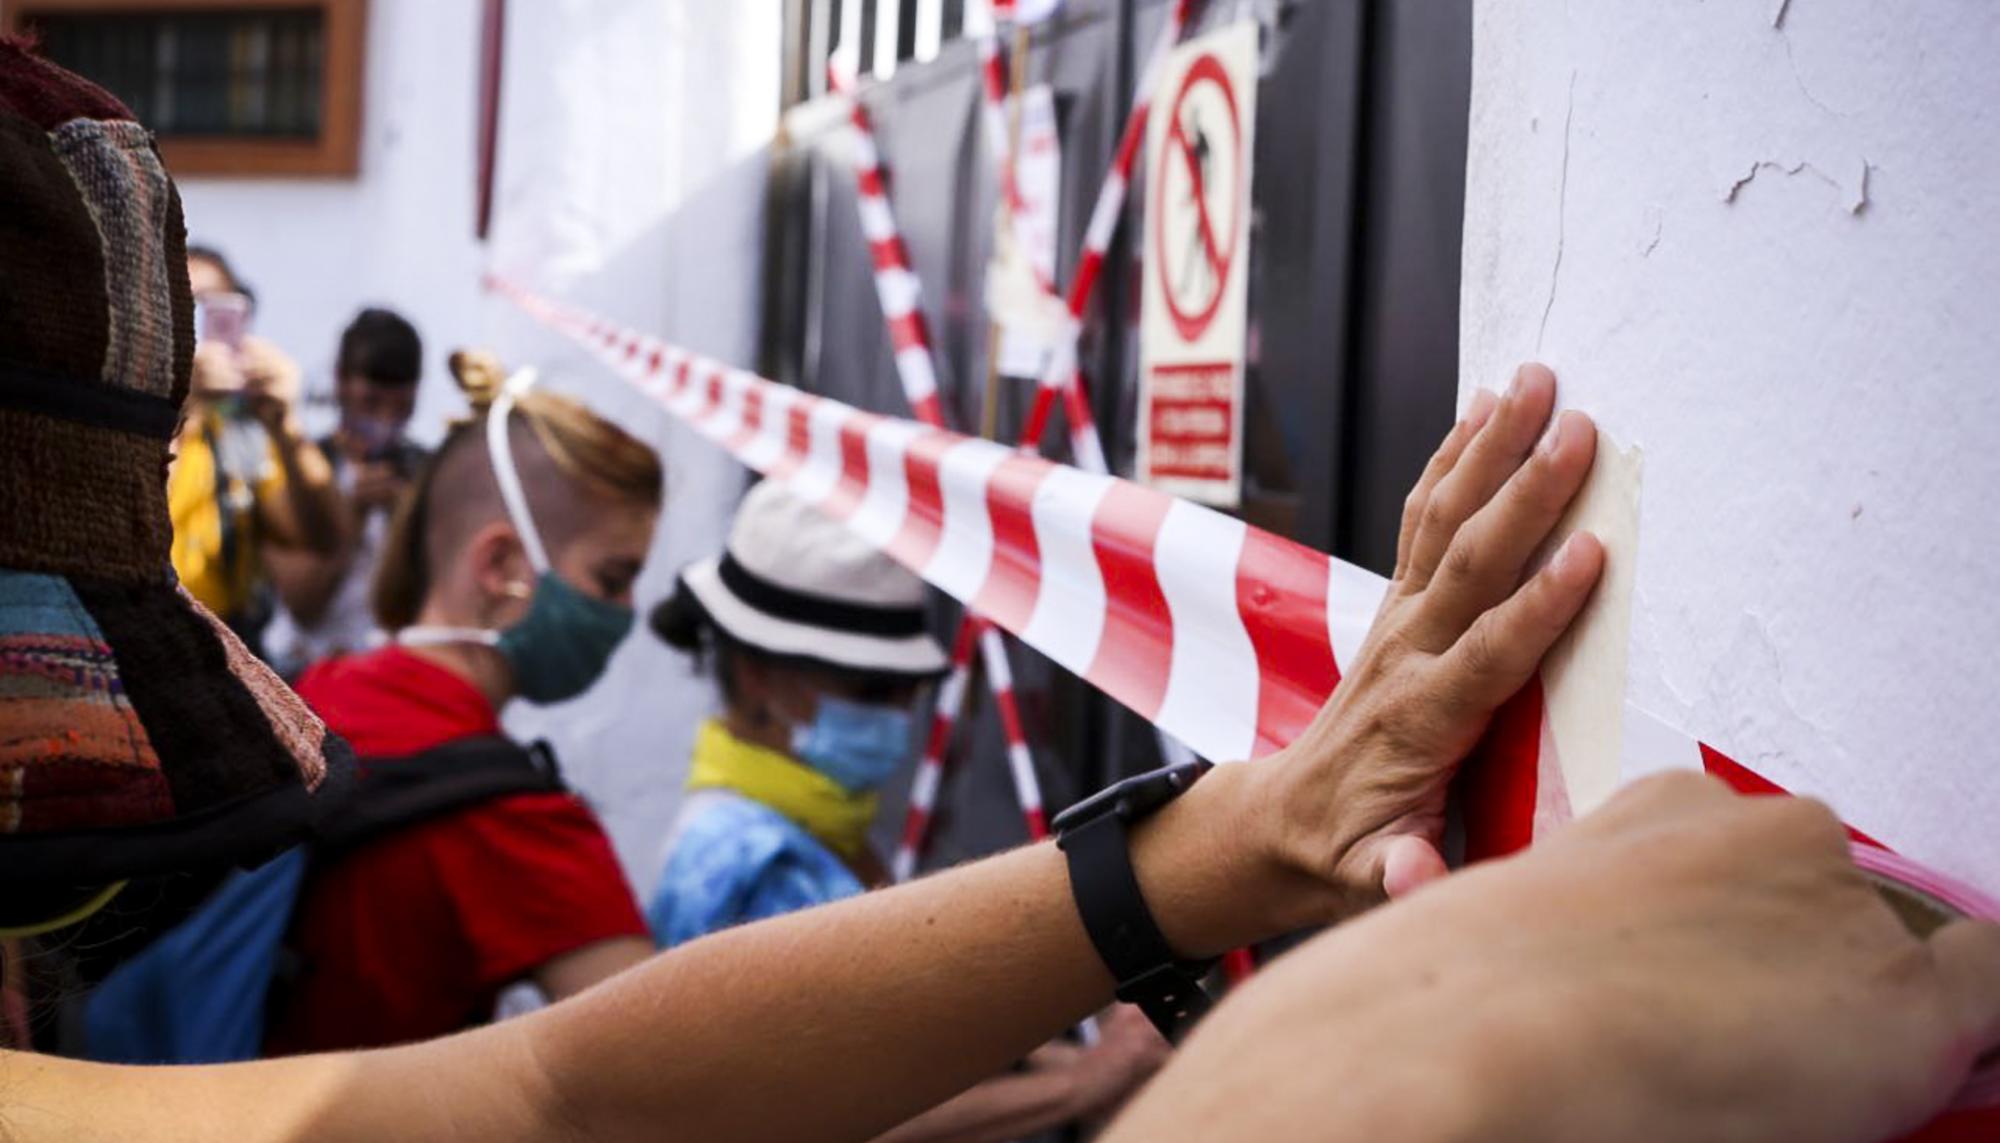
1194 248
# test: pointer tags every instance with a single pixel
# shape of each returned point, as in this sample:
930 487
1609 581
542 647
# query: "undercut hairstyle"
380 346
568 458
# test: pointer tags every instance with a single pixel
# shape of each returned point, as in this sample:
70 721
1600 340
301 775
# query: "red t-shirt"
415 934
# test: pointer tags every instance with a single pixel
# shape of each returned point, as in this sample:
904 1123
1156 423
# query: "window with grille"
255 87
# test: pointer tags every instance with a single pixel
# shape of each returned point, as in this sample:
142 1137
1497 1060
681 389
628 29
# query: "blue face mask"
565 641
856 744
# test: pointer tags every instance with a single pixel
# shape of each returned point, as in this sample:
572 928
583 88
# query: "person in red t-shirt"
507 574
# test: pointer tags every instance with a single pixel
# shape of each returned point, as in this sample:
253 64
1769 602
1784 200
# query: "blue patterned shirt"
733 859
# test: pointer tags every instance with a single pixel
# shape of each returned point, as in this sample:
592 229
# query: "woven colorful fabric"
137 735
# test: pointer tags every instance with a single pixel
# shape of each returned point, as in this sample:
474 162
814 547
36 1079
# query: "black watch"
1093 834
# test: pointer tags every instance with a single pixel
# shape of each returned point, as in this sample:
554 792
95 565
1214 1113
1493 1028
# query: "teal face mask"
563 644
561 647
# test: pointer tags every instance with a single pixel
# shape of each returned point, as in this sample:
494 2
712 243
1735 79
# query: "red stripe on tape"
1085 282
1008 596
1038 823
753 419
907 331
917 540
928 410
853 483
1136 650
798 437
1498 783
889 254
1281 594
1744 780
870 179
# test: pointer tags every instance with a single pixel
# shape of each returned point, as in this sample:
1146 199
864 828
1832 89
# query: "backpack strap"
397 792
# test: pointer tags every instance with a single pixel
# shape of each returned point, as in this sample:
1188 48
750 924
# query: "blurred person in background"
819 646
324 607
246 484
507 573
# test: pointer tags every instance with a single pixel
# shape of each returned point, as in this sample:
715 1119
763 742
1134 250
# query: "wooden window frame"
336 153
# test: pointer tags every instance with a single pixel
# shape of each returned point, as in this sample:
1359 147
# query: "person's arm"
1060 1083
1682 966
574 971
306 581
304 510
843 1021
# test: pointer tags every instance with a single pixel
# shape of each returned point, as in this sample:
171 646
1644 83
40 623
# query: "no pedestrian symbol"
1200 175
1194 294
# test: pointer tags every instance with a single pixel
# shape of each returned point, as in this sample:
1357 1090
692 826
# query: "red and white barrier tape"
1230 645
929 777
1224 635
1061 378
901 293
896 282
1000 146
1021 763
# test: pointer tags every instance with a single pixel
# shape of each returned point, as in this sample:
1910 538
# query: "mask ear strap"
500 449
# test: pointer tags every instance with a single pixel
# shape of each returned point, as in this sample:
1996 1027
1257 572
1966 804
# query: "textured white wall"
631 177
400 234
1757 240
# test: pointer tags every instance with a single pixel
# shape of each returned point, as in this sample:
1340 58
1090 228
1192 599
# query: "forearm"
843 1021
313 514
306 581
342 1098
999 1109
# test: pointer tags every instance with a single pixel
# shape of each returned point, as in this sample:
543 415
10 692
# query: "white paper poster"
1196 274
1029 324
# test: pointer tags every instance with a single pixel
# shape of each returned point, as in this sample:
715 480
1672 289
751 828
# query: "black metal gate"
1358 193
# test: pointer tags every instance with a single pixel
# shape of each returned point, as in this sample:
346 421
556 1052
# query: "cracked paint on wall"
1772 233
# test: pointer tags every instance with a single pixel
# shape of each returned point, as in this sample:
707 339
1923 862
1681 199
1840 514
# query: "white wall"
317 250
1756 240
630 178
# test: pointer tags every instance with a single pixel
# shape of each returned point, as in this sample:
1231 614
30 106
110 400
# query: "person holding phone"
323 600
245 481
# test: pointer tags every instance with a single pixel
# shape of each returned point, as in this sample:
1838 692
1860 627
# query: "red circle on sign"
1207 69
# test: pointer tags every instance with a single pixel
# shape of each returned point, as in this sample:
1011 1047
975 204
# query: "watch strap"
1114 912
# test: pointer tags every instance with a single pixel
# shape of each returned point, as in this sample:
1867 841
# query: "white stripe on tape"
899 290
913 365
880 514
1212 684
1027 787
929 776
876 221
821 471
1105 215
1068 619
999 672
866 157
1353 596
965 543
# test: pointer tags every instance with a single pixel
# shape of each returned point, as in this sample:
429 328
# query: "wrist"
1217 873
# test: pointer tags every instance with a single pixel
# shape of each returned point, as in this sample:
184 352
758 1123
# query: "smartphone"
222 317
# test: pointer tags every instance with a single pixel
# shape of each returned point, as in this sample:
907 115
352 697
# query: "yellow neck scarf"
817 803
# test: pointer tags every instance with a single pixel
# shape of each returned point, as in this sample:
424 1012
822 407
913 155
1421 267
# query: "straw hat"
137 735
795 583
